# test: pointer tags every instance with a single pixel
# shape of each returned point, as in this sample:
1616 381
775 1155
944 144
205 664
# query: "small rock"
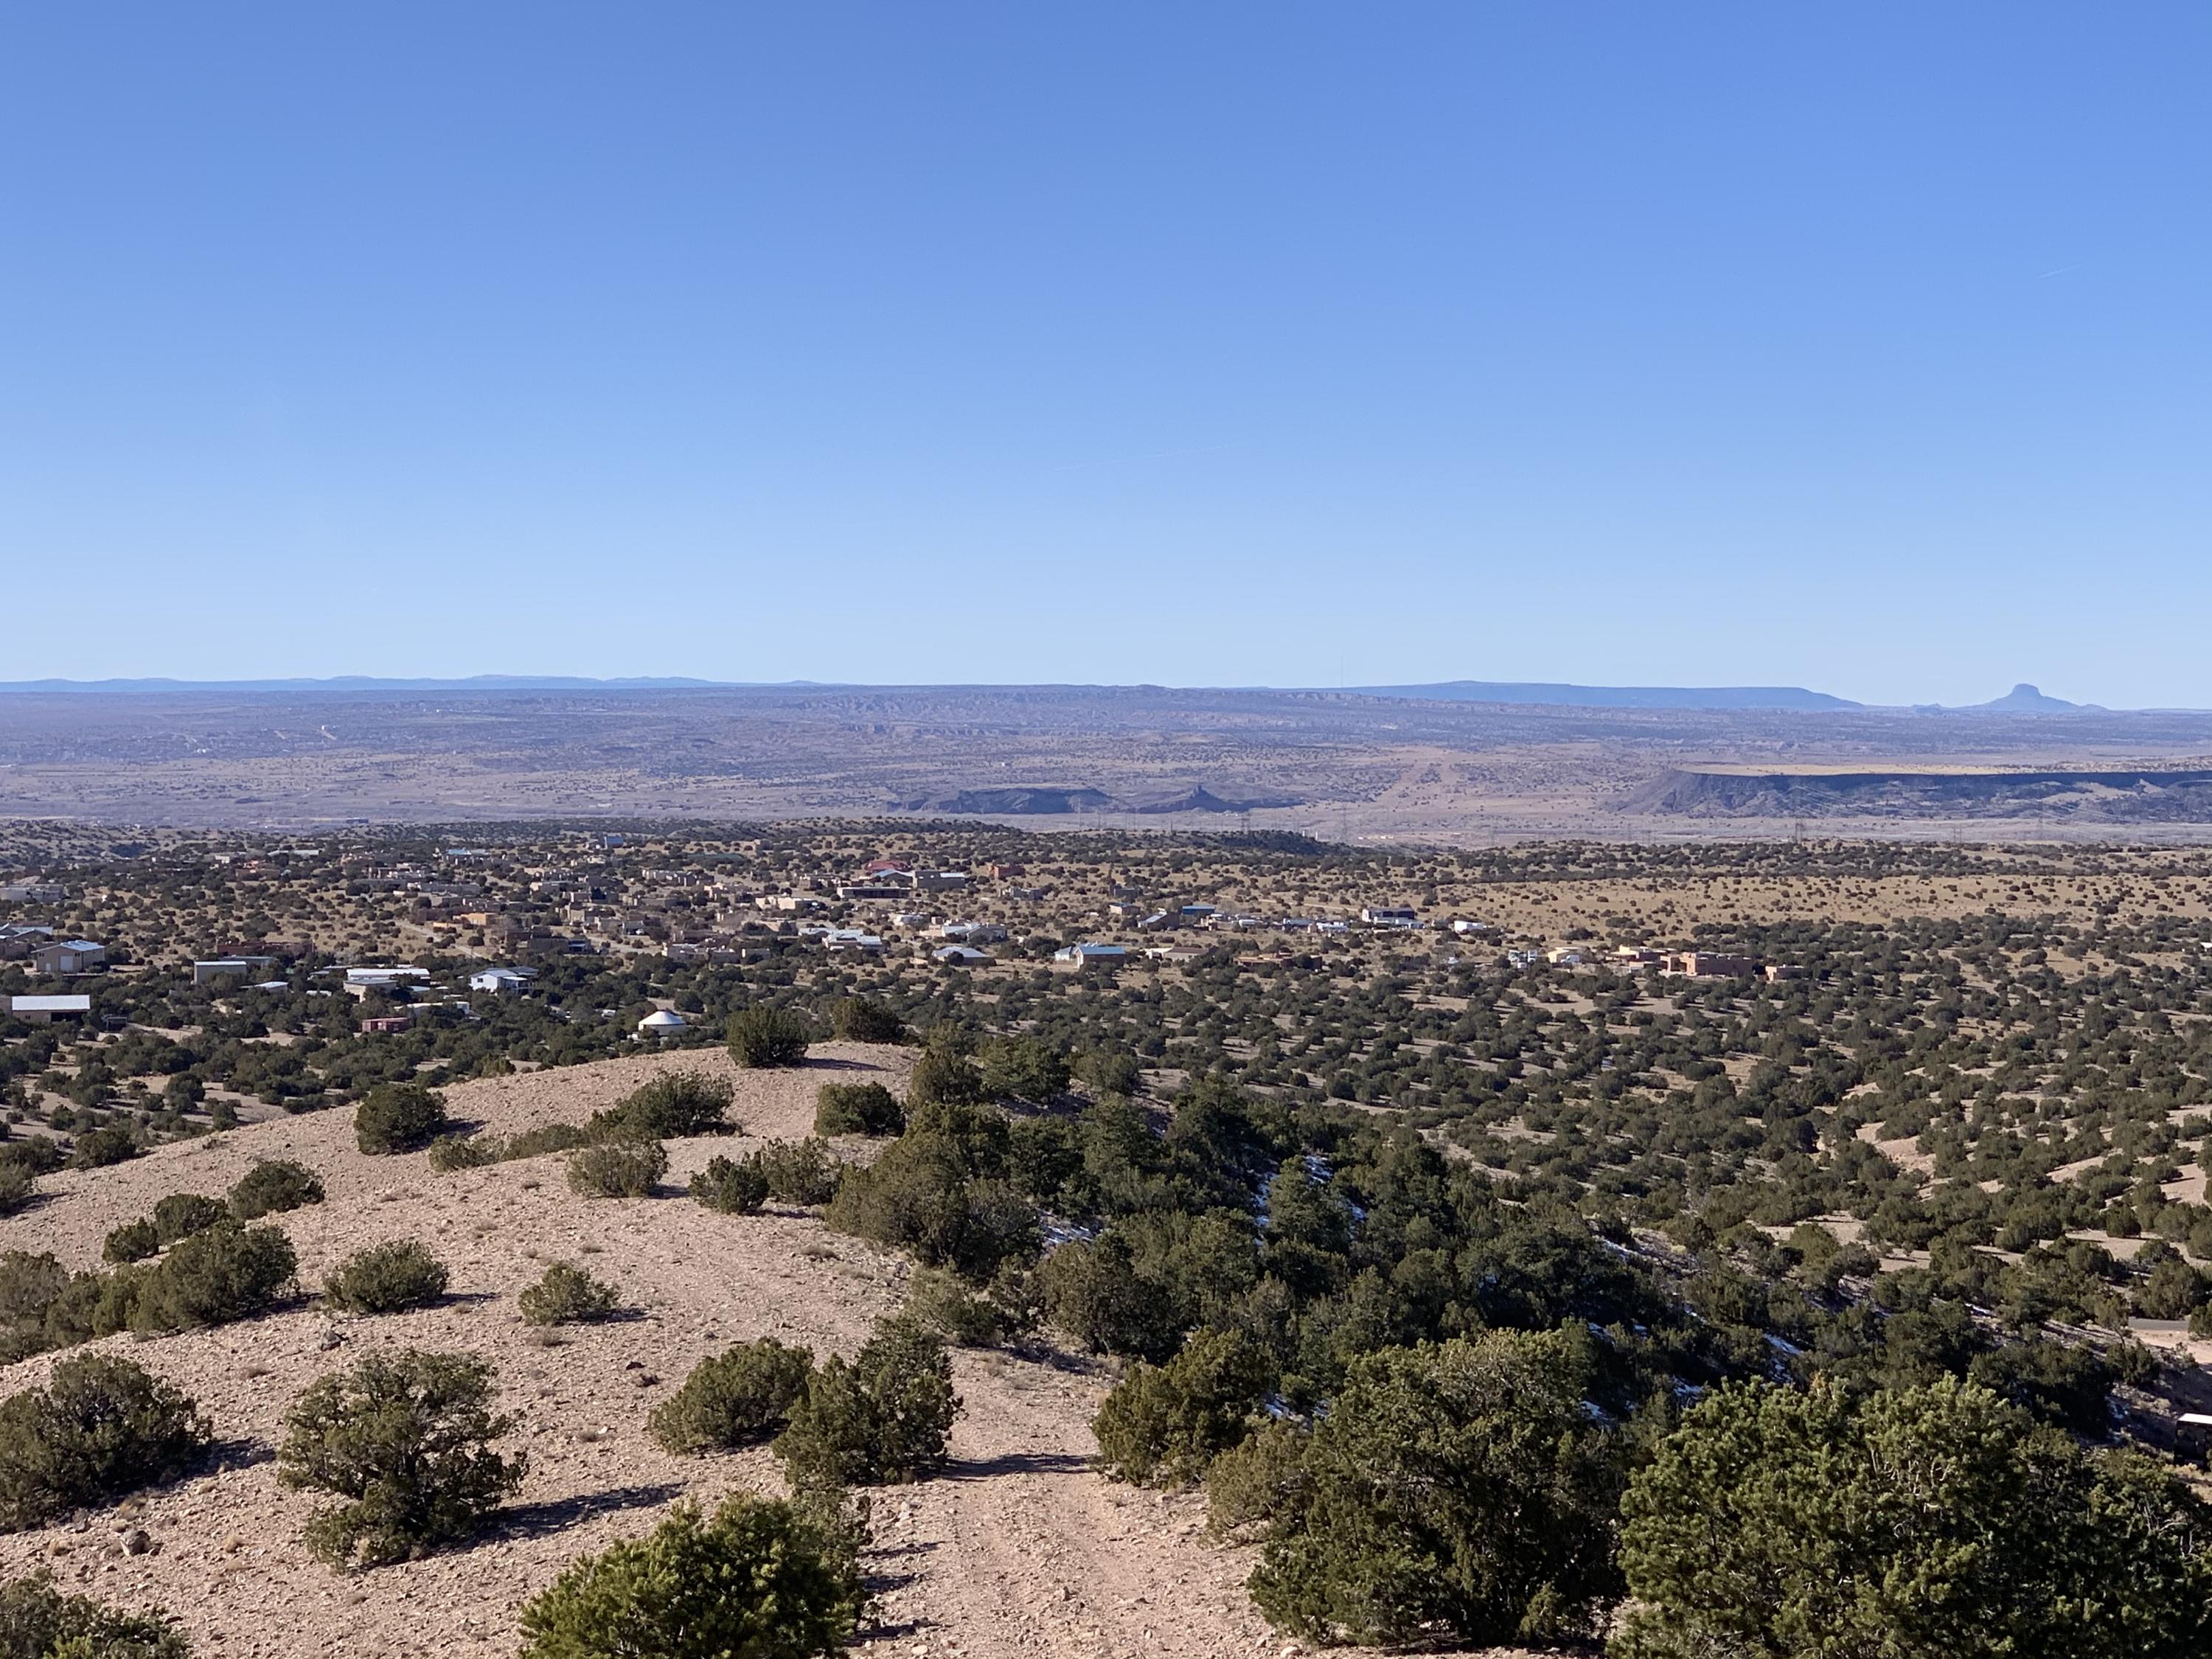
137 1541
331 1338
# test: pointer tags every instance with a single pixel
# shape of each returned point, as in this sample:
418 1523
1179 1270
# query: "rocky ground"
1018 1549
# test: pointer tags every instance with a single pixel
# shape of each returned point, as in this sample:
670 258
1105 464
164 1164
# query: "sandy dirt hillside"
1019 1550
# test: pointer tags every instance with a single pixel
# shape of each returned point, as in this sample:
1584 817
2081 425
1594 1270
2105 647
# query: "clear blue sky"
1863 346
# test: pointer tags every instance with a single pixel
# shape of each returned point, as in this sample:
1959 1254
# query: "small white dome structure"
661 1022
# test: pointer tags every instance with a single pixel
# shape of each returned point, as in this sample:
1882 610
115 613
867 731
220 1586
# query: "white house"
660 1023
503 982
960 956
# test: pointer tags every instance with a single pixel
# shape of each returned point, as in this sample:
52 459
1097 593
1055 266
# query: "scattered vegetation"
272 1187
881 1419
764 1035
567 1295
406 1441
100 1428
618 1168
1460 1486
741 1397
800 1171
400 1117
864 1019
388 1278
857 1109
38 1621
731 1187
674 1106
761 1579
1930 1520
1164 1425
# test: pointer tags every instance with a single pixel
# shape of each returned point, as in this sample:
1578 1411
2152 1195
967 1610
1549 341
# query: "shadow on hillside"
542 1520
984 1468
822 1063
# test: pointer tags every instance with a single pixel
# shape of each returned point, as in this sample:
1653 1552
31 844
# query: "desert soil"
1019 1550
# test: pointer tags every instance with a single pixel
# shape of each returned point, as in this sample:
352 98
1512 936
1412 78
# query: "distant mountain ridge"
2022 699
374 682
1615 696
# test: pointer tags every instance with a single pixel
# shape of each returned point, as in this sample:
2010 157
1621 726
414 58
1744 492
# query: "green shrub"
134 1241
18 1189
548 1138
384 1278
407 1441
1164 1424
883 1418
940 1300
37 1621
761 1580
1092 1290
182 1214
400 1117
863 1020
1250 1484
1456 1488
101 1427
36 1155
763 1037
939 1191
272 1187
1024 1068
618 1168
566 1296
227 1273
101 1147
798 1171
674 1106
738 1398
451 1152
857 1109
731 1187
1109 1070
945 1077
29 1285
1935 1520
